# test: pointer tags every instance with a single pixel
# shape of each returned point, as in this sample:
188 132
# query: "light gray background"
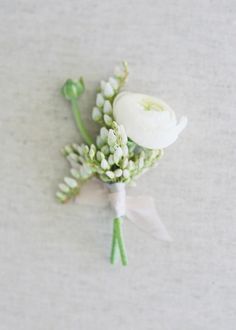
55 272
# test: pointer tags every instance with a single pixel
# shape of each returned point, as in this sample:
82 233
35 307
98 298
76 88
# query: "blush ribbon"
140 210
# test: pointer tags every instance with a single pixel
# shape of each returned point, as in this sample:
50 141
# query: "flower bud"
104 164
92 151
85 149
107 108
118 173
126 174
100 100
119 72
108 120
99 141
75 173
114 83
64 188
104 133
105 149
118 154
131 165
96 114
111 140
61 196
70 182
100 156
110 174
72 89
125 150
108 90
111 160
124 163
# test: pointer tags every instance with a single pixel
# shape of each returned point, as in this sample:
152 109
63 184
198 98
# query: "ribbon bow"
141 211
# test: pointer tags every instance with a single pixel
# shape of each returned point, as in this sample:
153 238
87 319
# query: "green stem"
118 240
83 131
114 244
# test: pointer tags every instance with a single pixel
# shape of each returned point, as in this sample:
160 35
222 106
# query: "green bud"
72 89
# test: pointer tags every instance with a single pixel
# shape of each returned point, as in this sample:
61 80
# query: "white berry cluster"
102 112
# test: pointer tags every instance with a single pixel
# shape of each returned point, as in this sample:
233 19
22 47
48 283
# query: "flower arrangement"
135 128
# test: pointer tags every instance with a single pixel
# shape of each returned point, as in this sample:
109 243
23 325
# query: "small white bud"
104 133
64 188
70 182
91 153
118 154
61 196
85 149
131 165
111 140
125 163
99 100
110 174
119 72
107 120
111 160
75 173
96 114
99 141
126 174
114 83
118 173
105 149
73 157
100 156
104 164
107 108
108 90
68 149
125 150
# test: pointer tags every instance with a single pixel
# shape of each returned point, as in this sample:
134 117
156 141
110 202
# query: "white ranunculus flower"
148 121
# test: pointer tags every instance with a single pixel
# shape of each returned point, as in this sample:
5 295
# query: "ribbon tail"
142 212
93 193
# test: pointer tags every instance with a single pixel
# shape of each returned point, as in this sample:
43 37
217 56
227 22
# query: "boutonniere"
134 130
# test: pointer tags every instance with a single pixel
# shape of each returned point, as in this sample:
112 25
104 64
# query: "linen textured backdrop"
55 272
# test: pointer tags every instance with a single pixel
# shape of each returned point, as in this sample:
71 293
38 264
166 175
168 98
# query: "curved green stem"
83 131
